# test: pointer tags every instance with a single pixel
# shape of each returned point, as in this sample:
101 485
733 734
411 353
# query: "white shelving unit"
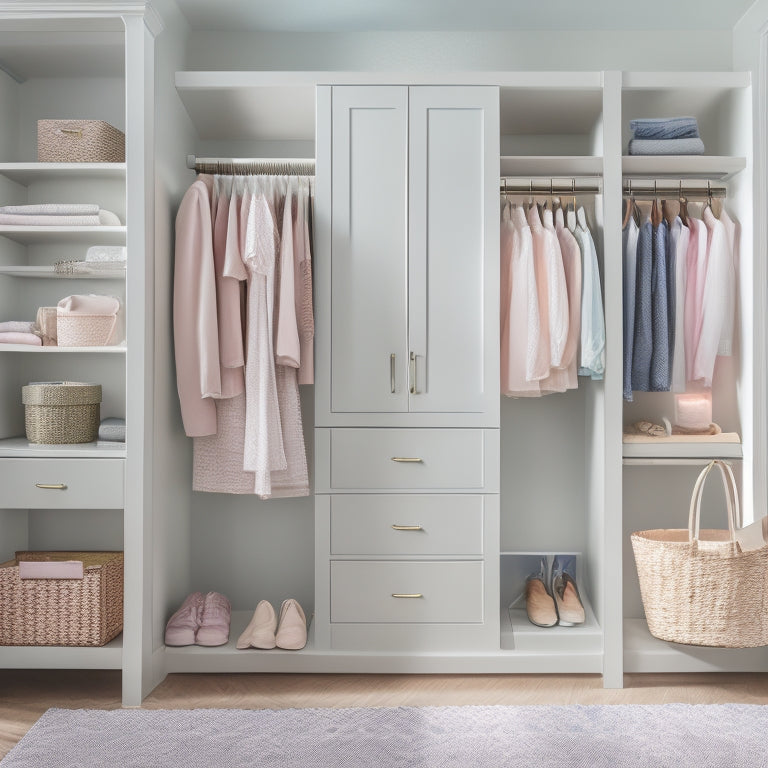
580 432
100 68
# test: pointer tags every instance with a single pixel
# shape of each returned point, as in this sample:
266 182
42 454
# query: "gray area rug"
620 736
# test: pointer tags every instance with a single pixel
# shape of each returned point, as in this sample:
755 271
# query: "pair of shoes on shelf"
554 600
201 620
266 630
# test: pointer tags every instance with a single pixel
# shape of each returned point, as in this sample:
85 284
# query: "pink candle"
694 410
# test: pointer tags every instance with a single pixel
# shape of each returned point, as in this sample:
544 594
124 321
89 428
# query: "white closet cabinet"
410 321
408 339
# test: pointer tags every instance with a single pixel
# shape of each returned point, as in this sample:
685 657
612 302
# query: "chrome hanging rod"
247 166
648 189
516 185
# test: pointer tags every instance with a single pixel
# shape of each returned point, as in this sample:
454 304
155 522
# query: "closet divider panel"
369 263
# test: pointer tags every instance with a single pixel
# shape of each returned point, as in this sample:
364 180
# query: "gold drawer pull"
408 459
405 594
407 528
51 486
71 131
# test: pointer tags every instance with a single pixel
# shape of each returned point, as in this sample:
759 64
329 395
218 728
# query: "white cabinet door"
369 336
453 262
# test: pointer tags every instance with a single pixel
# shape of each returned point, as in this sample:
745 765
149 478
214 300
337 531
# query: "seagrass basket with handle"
704 587
61 412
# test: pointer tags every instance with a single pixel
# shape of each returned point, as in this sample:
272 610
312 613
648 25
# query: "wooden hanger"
655 209
683 205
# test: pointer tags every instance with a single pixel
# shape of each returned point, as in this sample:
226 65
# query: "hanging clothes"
259 266
542 301
685 289
592 360
629 261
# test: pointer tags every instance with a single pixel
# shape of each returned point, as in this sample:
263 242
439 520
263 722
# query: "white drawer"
406 459
76 483
445 592
392 524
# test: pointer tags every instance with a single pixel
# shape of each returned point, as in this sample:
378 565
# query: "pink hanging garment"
520 352
543 360
557 380
195 324
304 306
231 349
571 253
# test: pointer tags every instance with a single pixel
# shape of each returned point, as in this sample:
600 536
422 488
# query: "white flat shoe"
292 627
260 632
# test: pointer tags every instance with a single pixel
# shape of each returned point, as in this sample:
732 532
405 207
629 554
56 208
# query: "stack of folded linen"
18 332
57 215
665 136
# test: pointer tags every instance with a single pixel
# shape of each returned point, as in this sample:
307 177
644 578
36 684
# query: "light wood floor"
25 695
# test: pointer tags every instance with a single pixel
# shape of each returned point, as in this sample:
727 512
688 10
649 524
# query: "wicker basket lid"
61 393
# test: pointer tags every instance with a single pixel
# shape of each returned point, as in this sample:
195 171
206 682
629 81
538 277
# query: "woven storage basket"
46 325
79 141
61 412
84 330
87 611
700 587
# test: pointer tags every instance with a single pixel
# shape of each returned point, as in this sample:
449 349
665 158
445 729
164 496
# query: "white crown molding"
46 9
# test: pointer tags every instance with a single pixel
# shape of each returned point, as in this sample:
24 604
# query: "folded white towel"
108 219
106 253
666 147
20 220
52 209
103 218
16 326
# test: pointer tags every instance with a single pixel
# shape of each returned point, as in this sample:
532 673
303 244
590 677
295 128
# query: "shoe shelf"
645 653
109 656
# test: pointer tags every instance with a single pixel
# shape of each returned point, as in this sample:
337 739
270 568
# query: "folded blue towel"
665 128
666 147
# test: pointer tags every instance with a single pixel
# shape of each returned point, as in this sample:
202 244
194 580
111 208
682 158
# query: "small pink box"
50 569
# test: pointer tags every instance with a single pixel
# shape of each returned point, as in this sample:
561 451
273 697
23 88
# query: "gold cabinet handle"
407 528
412 373
392 373
407 459
72 132
407 595
51 486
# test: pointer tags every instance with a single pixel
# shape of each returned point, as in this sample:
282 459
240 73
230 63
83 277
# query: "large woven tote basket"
701 587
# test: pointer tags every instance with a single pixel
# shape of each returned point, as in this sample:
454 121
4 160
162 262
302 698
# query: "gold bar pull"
412 373
392 373
71 132
51 486
407 528
407 595
408 459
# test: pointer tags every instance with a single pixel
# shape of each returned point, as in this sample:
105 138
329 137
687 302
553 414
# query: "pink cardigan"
195 324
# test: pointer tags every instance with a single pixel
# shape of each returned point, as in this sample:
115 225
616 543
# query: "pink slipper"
292 627
214 621
182 626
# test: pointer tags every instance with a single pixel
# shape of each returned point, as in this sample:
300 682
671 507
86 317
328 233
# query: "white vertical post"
611 608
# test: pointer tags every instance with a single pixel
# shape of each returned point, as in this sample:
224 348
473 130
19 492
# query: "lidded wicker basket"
61 412
79 141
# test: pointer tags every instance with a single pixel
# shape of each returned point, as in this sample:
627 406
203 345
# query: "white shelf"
28 173
645 653
115 350
49 273
227 658
556 166
663 81
682 166
20 447
96 235
666 451
109 656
